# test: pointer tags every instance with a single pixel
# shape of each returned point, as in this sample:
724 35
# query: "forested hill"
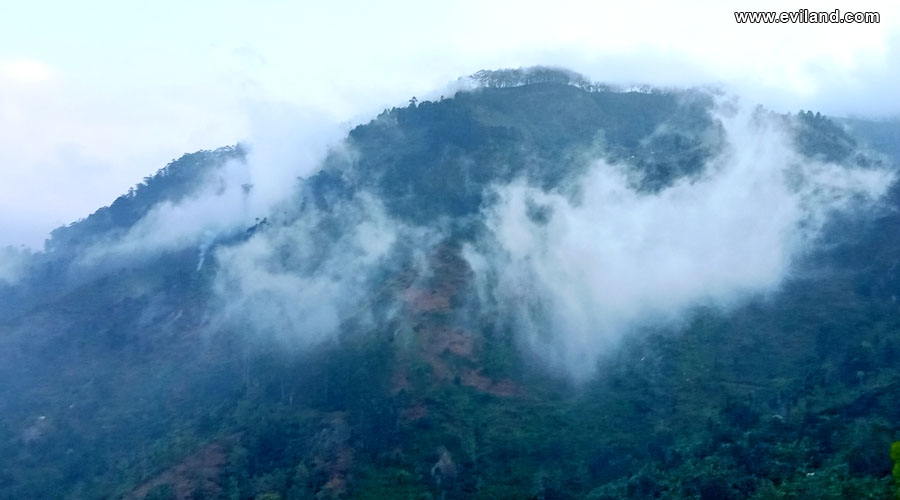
173 183
419 319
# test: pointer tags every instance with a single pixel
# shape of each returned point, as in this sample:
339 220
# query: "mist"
572 269
297 280
287 146
13 264
575 269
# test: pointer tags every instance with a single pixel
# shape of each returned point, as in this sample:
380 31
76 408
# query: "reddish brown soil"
425 300
336 456
200 472
502 388
415 412
452 353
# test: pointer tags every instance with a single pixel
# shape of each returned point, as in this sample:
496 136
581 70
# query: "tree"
895 456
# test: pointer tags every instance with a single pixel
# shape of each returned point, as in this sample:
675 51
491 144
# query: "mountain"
537 288
883 135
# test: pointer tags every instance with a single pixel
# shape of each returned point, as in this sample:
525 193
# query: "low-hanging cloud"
576 269
286 147
13 264
299 280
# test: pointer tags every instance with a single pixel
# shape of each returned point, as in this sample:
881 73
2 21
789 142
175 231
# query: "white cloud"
13 262
296 282
615 259
286 145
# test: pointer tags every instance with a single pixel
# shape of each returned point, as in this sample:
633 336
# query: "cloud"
604 259
67 149
297 281
218 206
285 146
13 264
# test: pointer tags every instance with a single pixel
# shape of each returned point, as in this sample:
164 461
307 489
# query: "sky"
96 95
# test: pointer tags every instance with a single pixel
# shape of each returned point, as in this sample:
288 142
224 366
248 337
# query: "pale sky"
95 95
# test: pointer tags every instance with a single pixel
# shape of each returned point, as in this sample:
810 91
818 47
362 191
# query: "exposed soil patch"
427 300
452 352
415 412
199 473
503 388
334 455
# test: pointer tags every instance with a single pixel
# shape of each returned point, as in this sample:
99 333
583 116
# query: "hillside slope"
348 345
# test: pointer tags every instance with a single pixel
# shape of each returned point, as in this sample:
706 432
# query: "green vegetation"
171 183
116 386
895 456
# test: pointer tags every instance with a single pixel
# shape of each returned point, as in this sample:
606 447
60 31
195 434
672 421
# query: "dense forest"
173 376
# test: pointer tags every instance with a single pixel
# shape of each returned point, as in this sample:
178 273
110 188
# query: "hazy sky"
95 95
